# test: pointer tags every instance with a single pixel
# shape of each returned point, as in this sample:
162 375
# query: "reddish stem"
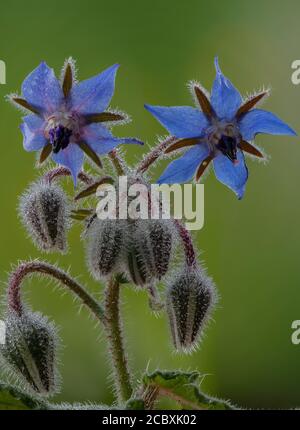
153 155
63 171
28 268
186 238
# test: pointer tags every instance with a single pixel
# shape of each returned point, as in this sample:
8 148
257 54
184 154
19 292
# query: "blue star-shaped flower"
67 117
218 130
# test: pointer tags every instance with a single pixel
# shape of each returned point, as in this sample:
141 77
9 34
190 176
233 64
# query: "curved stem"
153 155
63 171
28 268
115 338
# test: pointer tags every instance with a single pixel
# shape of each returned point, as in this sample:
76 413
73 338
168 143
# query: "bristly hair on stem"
61 171
122 377
154 154
28 268
188 247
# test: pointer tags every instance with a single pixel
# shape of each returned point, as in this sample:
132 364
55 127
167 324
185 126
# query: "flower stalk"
122 378
37 267
186 239
154 154
61 171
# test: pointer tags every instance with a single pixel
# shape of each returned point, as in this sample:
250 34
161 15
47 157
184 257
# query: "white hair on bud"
190 298
29 355
104 246
44 211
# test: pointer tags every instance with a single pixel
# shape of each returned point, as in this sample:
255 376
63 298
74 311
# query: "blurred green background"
250 247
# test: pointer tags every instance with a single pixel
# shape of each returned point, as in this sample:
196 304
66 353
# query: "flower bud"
140 262
44 212
29 351
149 252
162 240
190 298
104 247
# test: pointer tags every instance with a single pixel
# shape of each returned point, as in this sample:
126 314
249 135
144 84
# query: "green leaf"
12 398
183 388
135 405
80 406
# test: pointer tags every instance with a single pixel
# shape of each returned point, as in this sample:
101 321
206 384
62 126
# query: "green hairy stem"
115 339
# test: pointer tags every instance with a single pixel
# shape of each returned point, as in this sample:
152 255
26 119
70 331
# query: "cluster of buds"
149 250
139 249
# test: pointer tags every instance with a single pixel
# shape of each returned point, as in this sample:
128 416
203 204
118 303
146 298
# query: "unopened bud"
29 351
44 212
104 247
149 252
139 266
162 240
189 301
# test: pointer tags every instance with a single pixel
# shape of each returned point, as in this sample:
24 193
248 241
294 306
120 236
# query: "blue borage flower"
218 130
67 117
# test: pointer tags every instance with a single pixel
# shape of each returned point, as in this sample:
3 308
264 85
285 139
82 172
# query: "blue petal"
72 158
102 141
42 89
261 121
232 175
184 168
180 121
94 94
33 133
225 98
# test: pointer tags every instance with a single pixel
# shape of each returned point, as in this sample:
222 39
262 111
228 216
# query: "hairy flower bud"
162 240
29 351
44 212
149 252
105 240
190 298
